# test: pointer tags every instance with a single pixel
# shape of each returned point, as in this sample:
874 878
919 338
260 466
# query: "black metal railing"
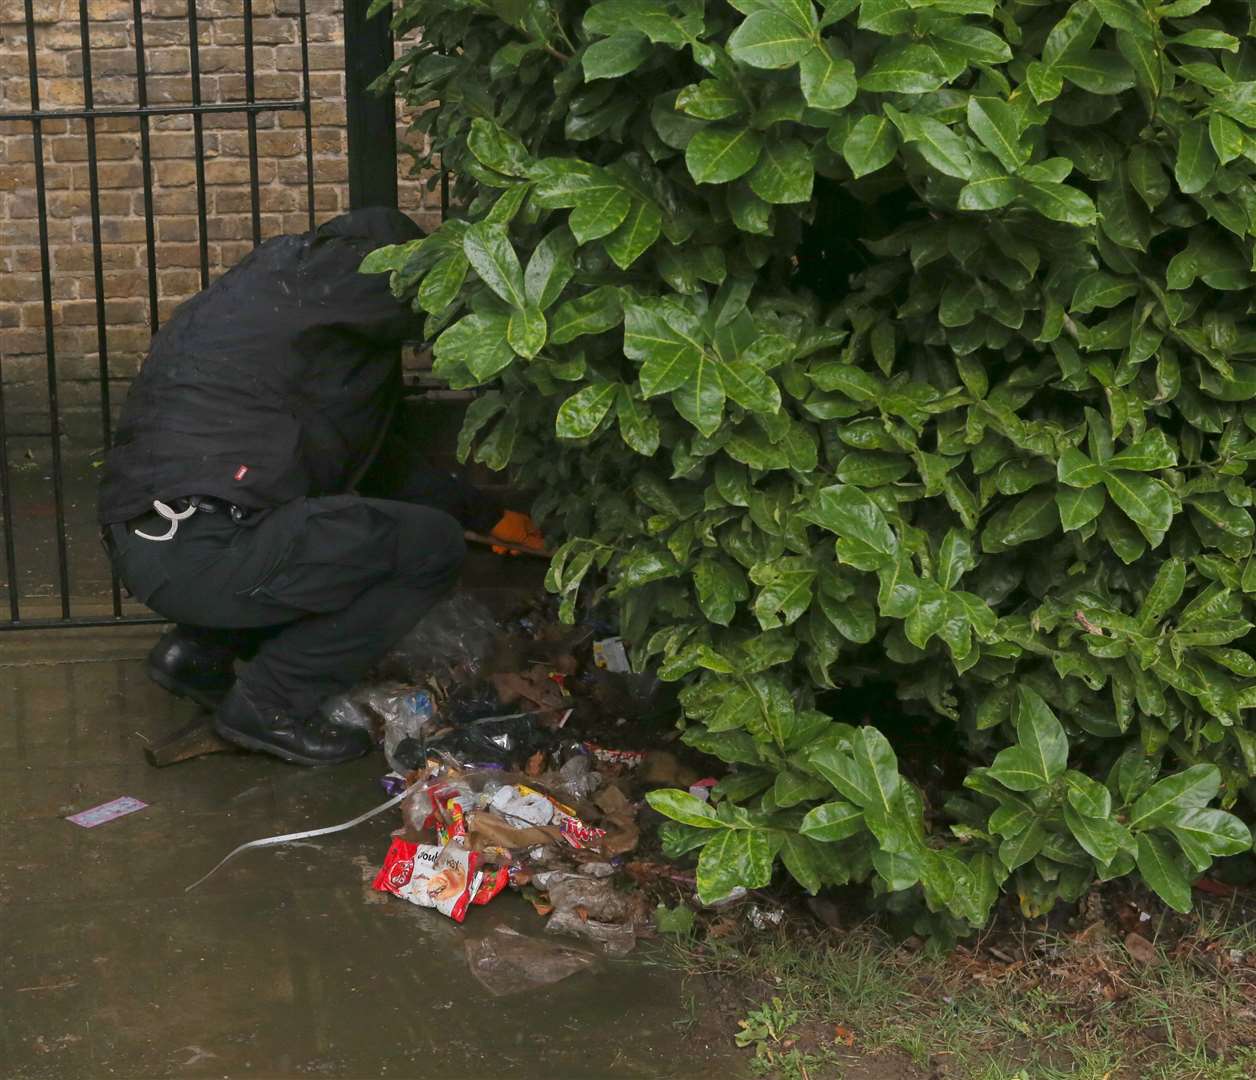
372 153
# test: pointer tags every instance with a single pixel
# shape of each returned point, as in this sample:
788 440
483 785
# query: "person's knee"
432 547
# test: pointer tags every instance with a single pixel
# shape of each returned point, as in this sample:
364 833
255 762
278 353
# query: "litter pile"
509 745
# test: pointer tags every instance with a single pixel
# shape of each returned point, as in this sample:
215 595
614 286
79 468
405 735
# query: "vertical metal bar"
444 189
198 132
45 264
370 119
305 99
98 272
250 97
6 506
146 162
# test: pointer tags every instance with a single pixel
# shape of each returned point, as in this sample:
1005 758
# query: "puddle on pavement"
281 964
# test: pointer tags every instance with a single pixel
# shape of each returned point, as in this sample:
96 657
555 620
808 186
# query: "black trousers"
311 593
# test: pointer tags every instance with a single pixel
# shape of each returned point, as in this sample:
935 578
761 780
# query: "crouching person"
239 500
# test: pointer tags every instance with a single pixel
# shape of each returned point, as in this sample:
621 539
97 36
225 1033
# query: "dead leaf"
843 1035
1140 949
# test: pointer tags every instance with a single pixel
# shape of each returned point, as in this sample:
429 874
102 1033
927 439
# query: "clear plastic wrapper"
405 711
616 939
596 898
506 962
452 643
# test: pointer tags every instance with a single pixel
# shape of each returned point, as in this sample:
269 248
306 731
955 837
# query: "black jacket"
277 382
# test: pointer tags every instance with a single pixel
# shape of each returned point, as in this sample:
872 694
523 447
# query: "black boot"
310 741
191 668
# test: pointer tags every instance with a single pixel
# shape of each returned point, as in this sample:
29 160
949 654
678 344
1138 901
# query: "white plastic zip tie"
171 515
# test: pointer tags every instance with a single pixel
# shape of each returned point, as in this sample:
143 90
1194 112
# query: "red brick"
171 144
63 204
127 284
171 201
185 255
285 143
327 84
168 31
119 231
181 230
169 174
14 287
235 171
79 257
33 315
105 62
329 56
116 175
179 282
131 338
169 89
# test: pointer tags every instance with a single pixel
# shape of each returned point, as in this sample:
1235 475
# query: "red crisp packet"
444 878
491 884
398 867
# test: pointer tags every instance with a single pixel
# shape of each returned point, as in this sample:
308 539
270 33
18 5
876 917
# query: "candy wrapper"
574 831
491 883
628 758
449 813
445 878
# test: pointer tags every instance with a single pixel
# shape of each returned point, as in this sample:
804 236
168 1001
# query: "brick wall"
281 167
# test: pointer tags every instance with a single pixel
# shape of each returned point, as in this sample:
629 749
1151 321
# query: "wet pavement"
285 963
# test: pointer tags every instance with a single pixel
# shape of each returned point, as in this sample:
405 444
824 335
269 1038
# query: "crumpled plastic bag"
595 898
616 939
452 642
406 711
506 962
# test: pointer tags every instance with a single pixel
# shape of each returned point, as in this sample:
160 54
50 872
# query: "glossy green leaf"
1161 871
683 807
770 39
1190 789
633 238
488 249
731 859
615 56
1145 499
716 155
828 81
638 426
582 413
550 268
832 821
871 145
784 173
593 313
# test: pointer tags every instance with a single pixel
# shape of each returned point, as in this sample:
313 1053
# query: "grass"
1036 1005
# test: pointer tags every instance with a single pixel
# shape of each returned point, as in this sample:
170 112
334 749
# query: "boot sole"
205 700
251 742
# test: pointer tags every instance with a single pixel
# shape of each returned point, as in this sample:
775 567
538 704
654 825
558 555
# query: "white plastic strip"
288 838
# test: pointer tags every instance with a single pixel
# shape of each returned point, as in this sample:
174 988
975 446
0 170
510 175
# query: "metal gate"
66 551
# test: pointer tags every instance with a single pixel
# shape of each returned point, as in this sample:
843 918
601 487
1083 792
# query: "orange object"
517 528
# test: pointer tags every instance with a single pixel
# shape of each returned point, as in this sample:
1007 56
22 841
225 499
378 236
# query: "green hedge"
906 340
